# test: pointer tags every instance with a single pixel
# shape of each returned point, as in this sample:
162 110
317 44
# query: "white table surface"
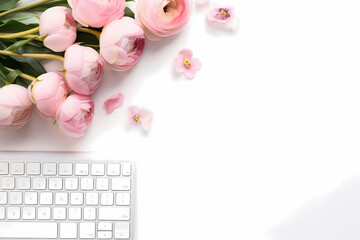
262 145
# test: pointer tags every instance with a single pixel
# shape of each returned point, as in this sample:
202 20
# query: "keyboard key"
35 230
113 169
49 169
61 198
39 183
87 230
81 169
87 184
2 213
97 169
122 230
123 199
28 213
15 198
59 213
71 183
107 199
104 235
13 213
31 198
3 198
55 184
17 168
76 199
33 169
104 226
89 213
46 198
4 168
65 169
23 183
44 213
91 199
126 169
102 184
8 183
75 213
120 184
114 213
68 230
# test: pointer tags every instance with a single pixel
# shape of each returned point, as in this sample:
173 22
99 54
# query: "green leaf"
87 38
11 76
11 26
129 0
7 4
18 44
47 5
129 13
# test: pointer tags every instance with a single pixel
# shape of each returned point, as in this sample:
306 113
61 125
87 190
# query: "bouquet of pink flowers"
87 36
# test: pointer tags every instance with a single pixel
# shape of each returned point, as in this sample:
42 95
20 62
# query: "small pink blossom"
114 102
185 63
201 3
224 16
140 116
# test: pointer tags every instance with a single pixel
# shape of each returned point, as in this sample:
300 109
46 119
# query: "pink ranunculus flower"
162 18
75 114
185 63
84 69
15 107
97 13
121 44
223 16
59 27
47 93
140 116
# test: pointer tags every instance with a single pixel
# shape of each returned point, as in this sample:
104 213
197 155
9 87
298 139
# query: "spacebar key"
35 230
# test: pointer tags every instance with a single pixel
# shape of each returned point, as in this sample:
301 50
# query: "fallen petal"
114 102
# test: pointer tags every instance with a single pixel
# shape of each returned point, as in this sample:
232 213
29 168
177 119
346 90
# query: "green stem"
23 75
33 55
88 30
36 37
19 34
35 4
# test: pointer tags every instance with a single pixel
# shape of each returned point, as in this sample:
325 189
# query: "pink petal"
114 102
186 53
190 73
196 63
179 65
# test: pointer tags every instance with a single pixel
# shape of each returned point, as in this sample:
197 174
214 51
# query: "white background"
262 144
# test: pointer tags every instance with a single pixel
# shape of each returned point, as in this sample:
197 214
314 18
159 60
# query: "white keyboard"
66 200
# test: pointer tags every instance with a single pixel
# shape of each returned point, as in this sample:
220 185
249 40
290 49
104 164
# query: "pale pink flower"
140 116
185 63
223 16
114 102
15 107
121 44
97 13
84 69
162 18
47 93
201 3
59 27
75 114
